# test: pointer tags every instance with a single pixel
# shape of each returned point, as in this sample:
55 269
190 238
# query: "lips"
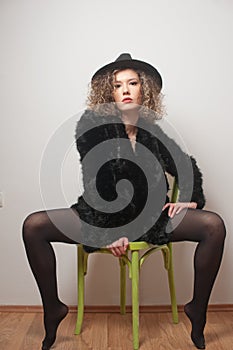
127 100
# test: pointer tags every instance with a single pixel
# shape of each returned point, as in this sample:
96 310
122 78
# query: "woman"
124 101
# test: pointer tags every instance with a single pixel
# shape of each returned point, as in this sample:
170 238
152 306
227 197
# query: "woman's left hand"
175 208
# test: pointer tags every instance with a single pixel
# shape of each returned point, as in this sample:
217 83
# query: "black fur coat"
117 160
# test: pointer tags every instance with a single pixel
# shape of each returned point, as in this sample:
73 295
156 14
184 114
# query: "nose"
125 89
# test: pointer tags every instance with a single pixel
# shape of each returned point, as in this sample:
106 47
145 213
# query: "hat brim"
132 64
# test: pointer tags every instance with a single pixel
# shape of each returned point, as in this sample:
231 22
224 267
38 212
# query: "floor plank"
111 331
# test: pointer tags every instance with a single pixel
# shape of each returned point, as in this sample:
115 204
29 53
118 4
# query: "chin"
127 106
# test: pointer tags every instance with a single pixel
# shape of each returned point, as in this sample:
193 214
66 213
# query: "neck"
130 117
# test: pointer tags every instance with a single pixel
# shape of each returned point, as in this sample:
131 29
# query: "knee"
215 226
31 225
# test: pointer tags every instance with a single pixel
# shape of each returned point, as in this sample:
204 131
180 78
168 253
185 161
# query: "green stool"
134 264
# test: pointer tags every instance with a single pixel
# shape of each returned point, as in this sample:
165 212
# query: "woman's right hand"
119 247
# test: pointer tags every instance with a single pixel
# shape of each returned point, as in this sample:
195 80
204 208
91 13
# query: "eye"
134 83
117 86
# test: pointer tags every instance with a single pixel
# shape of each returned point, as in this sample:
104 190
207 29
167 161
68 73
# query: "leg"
208 230
38 231
122 285
135 297
81 283
172 289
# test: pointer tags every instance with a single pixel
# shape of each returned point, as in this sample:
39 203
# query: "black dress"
134 209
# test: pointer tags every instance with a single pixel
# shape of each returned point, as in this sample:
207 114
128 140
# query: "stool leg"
135 298
172 287
122 286
80 311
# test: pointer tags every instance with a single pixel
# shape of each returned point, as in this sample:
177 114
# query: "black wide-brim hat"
125 61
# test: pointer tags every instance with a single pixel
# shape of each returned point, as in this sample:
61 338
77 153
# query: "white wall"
49 51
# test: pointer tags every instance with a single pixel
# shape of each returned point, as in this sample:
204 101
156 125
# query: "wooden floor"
111 331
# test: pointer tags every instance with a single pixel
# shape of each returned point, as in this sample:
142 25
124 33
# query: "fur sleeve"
187 164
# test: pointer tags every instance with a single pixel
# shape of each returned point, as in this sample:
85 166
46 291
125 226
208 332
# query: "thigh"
67 222
56 225
193 226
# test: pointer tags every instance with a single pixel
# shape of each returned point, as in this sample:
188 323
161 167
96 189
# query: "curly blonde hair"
100 97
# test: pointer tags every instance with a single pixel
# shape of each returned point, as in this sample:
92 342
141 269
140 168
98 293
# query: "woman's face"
127 89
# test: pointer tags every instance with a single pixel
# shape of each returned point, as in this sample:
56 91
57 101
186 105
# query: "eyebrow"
119 81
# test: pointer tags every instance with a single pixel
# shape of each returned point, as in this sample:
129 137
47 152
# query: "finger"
126 246
118 251
122 244
179 210
182 207
170 210
166 206
173 211
122 250
116 244
125 243
113 251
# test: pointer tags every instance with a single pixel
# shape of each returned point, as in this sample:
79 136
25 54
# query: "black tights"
208 230
205 228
